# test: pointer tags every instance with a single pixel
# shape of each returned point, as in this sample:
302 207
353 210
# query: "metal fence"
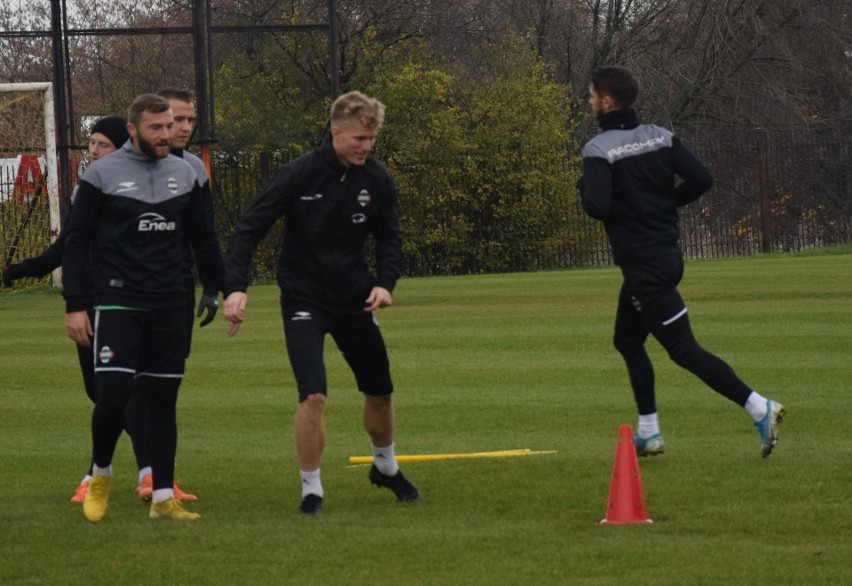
773 192
777 191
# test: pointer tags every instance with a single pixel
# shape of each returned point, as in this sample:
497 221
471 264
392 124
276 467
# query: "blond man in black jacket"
332 199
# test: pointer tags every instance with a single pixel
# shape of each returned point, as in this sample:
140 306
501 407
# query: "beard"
149 149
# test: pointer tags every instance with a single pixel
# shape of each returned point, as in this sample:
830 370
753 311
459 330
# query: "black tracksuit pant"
649 303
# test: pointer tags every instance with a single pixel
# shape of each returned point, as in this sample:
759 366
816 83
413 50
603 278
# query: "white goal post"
45 89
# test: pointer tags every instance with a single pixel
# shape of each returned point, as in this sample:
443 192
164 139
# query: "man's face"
352 142
99 146
600 104
151 135
184 116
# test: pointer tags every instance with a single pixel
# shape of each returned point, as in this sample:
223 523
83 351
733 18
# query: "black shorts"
652 278
649 302
139 342
357 336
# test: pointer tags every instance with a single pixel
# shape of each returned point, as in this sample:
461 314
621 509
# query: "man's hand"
15 271
209 302
379 297
79 327
235 307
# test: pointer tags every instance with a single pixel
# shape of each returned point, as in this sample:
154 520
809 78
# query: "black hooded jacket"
134 214
629 183
329 210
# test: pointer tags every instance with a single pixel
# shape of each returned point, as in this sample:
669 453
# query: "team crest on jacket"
364 198
106 354
172 184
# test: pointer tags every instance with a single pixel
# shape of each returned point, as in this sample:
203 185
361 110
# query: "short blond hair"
358 107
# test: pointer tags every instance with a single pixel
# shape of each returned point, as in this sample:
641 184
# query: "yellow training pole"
433 457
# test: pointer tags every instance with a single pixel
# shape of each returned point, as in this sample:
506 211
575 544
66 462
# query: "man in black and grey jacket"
629 183
332 199
133 210
108 135
183 111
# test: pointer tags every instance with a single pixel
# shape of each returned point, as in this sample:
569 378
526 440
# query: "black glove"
15 271
210 302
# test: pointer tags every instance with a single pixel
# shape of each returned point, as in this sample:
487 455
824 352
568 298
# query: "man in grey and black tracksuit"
332 200
629 184
183 112
133 210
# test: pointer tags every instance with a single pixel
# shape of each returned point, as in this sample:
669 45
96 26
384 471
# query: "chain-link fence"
29 198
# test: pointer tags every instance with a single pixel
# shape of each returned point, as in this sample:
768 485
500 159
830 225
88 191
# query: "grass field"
480 363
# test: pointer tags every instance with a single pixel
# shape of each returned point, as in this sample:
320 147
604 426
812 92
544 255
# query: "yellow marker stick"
433 457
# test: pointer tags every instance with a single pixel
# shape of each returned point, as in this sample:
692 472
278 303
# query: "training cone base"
626 498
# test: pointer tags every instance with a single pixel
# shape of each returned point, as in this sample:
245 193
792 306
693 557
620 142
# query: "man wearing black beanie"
107 135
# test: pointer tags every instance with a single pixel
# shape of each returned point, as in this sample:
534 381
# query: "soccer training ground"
482 363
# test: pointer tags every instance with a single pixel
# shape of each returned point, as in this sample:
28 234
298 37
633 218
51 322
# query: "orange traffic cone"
626 498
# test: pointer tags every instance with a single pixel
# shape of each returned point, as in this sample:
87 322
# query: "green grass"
480 363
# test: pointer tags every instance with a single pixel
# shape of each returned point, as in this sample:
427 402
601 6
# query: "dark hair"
173 93
146 103
618 83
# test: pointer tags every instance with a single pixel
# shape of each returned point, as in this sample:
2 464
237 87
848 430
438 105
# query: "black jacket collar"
623 119
327 152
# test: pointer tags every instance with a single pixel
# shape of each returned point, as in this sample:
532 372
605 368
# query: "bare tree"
25 58
703 63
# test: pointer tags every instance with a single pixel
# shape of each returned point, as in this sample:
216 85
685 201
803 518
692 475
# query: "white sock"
311 483
144 472
86 478
162 494
648 426
385 460
98 471
756 406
